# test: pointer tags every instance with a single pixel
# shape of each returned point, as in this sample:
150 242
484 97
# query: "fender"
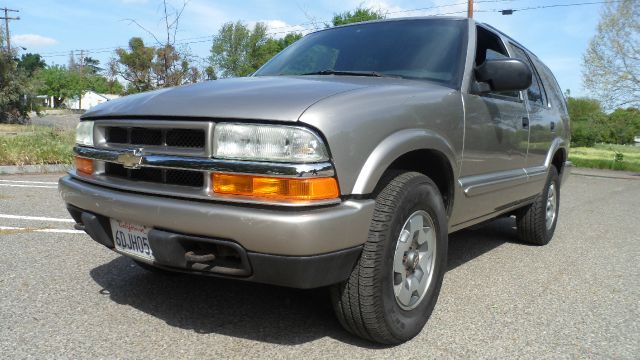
394 146
558 143
540 173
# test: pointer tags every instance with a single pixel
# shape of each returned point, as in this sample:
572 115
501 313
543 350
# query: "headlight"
84 133
267 142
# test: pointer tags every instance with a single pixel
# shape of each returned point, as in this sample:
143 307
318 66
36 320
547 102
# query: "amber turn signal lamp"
295 189
84 165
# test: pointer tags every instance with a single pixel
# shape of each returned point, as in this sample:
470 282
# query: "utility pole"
6 19
470 9
81 79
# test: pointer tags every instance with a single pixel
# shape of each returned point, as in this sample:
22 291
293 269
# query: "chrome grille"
158 137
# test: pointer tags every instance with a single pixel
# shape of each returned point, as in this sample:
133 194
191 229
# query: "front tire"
395 285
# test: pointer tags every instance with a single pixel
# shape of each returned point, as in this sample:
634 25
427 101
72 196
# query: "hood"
279 98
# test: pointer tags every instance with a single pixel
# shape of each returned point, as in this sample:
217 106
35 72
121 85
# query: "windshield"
425 49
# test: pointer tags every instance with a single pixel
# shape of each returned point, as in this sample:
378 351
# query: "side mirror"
504 74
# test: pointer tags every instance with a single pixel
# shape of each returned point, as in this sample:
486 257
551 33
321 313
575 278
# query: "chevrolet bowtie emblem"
132 159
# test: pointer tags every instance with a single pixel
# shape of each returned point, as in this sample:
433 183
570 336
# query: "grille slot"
186 178
118 135
189 138
142 136
178 138
154 175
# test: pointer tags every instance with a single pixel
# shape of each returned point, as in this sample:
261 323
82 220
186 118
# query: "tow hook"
192 257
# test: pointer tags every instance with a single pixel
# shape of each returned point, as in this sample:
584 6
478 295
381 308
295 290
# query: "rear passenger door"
542 122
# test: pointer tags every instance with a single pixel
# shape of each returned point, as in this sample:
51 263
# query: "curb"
607 174
33 169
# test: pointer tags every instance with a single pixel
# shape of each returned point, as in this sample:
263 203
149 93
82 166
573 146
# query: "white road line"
30 186
36 218
64 231
29 182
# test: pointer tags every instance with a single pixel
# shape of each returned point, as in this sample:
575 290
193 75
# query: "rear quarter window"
556 98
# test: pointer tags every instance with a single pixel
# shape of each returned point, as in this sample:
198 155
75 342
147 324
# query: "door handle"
553 125
525 122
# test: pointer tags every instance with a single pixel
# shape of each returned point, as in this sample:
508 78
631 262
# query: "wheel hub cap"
551 206
414 258
411 262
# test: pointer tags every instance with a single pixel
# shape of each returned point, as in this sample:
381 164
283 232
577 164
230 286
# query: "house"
89 100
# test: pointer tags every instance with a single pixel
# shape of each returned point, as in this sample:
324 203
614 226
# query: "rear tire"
395 285
536 223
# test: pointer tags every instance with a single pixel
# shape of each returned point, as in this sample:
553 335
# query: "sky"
559 36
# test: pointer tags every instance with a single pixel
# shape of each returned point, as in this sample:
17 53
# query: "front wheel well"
431 163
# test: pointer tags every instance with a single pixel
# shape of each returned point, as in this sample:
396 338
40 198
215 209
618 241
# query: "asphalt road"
64 296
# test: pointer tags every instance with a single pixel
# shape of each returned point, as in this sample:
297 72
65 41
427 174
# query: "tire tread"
366 317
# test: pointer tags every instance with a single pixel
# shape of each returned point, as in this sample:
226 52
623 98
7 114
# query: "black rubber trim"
98 228
304 272
169 249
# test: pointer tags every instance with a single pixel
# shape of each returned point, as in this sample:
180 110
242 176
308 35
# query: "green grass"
603 156
35 145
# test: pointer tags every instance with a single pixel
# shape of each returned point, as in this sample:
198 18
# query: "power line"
301 27
511 11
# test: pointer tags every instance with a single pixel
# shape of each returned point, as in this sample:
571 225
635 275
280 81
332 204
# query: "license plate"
131 239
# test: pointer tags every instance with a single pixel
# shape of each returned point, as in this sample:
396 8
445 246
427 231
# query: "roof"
451 18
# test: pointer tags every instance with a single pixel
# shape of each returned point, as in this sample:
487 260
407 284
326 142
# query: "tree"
590 124
170 68
14 89
210 73
235 49
134 65
238 50
60 82
584 109
102 85
611 65
360 14
30 63
91 66
588 121
624 125
273 46
160 65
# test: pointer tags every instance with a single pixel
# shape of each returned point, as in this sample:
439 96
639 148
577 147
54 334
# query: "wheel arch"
558 154
417 150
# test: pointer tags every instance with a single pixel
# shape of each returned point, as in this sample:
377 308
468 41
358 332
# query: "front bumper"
292 247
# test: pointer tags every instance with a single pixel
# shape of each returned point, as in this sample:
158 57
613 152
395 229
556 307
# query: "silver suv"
345 161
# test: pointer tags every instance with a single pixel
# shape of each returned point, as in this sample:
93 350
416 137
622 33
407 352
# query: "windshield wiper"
346 73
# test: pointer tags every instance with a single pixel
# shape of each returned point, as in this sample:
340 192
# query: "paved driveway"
62 295
65 121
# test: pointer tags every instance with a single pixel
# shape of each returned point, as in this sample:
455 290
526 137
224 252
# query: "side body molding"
393 147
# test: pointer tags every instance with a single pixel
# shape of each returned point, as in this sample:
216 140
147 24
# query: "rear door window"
535 92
